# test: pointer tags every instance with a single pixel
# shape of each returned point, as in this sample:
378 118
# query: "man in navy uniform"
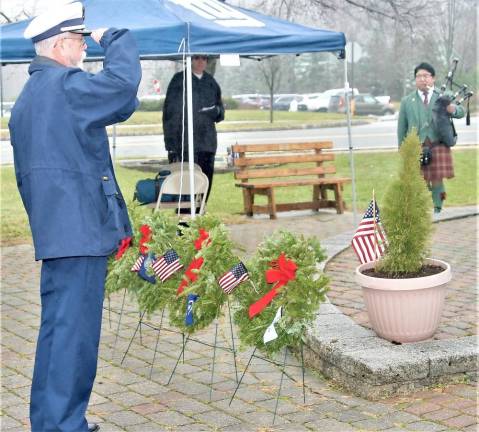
75 208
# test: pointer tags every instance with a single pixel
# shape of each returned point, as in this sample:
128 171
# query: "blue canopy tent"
205 26
169 29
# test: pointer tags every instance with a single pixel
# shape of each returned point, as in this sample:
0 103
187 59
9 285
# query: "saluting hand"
97 34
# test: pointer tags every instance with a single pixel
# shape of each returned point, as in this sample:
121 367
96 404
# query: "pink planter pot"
405 310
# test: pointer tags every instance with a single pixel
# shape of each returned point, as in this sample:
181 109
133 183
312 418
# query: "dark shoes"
93 427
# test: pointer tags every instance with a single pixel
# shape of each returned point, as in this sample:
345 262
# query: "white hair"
45 46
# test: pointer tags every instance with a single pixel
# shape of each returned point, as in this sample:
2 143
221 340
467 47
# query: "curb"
371 367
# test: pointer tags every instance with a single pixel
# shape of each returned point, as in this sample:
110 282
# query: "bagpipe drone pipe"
441 118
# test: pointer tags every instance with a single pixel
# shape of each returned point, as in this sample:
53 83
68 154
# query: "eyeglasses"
423 76
81 40
196 57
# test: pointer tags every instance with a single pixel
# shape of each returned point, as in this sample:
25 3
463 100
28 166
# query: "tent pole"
191 159
350 142
1 90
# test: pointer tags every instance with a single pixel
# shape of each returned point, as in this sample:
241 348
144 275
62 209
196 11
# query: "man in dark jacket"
75 208
207 110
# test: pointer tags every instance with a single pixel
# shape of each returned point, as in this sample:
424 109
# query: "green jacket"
413 114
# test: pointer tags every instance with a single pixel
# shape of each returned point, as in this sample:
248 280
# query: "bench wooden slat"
283 172
261 168
265 160
298 182
242 148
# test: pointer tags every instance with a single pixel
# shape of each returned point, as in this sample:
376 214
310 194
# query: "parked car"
252 101
287 102
7 108
314 102
367 104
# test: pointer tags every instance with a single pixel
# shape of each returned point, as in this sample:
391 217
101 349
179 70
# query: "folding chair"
176 166
177 183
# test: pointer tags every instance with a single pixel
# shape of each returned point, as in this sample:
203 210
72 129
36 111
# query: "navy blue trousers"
72 291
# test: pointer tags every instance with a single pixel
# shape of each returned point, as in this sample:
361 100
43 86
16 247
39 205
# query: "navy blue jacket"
61 152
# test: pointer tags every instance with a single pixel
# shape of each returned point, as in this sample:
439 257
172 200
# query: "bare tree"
271 70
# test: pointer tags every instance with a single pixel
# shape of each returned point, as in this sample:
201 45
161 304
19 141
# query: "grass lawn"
373 170
241 120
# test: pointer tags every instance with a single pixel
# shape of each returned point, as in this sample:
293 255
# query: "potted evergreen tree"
404 291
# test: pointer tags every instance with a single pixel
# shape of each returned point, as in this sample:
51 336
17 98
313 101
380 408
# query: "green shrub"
151 105
406 214
230 103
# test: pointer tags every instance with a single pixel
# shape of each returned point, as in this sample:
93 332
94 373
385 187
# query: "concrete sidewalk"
126 399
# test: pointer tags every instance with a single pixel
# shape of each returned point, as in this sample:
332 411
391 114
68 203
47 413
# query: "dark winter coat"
207 110
61 152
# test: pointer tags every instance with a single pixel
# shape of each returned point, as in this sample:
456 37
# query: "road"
377 135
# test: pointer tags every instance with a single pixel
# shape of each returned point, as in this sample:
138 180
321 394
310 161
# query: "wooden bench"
260 168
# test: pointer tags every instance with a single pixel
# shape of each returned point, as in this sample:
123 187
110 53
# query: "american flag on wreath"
233 277
369 241
167 265
137 266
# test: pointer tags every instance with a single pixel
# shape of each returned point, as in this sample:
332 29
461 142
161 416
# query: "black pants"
206 161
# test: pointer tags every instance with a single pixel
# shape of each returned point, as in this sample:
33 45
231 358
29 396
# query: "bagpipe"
442 120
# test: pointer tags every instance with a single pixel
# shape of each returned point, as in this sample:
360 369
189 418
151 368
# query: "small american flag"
234 277
137 266
167 265
369 241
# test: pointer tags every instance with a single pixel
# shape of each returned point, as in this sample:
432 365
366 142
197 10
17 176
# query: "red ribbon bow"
204 235
124 245
283 271
190 275
145 238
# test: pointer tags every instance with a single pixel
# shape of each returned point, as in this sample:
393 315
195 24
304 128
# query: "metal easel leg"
242 376
133 337
280 383
178 360
302 368
157 341
232 340
141 317
214 357
119 322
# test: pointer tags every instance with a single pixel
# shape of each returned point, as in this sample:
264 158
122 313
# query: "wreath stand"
283 366
215 345
113 351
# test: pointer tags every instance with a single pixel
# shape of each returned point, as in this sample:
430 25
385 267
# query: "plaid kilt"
441 165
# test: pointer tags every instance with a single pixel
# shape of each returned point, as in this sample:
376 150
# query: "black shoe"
93 427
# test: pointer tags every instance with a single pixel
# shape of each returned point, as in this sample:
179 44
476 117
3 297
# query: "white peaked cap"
64 18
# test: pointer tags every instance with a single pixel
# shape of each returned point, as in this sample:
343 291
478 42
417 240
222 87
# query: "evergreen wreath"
150 297
300 297
154 297
218 258
119 275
